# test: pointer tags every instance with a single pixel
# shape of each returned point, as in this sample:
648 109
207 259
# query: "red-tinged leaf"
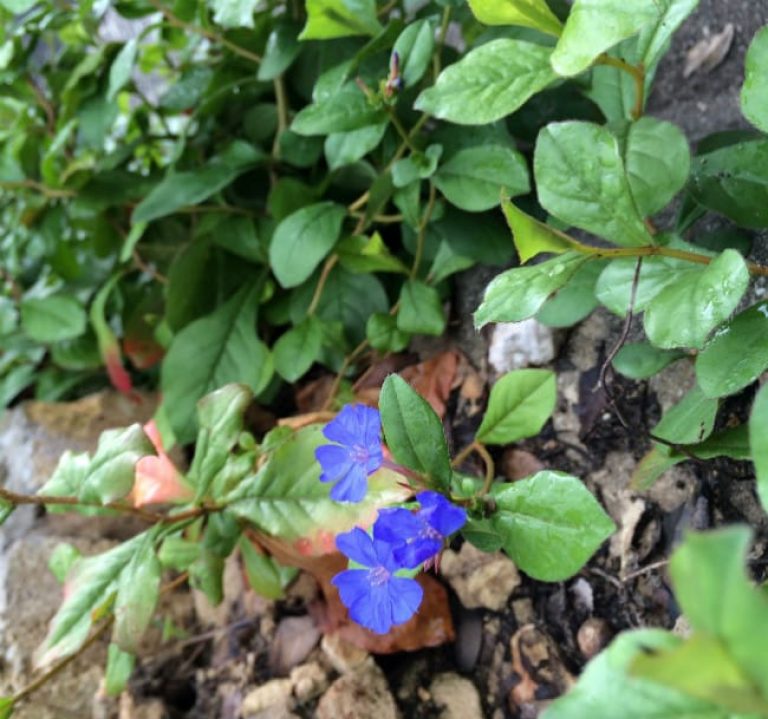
142 352
118 375
434 379
157 479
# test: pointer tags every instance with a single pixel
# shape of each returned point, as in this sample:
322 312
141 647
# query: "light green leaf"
179 189
286 498
550 524
417 166
594 26
640 360
528 13
212 351
736 355
533 237
62 558
121 68
576 300
734 182
53 318
346 148
302 240
520 404
328 19
519 293
233 13
344 110
120 666
421 311
758 442
382 333
6 703
690 421
685 312
655 177
754 93
607 684
489 82
414 433
414 47
265 574
362 254
138 590
581 180
17 7
296 350
473 178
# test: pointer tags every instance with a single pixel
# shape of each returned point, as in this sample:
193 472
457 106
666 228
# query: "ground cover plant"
232 197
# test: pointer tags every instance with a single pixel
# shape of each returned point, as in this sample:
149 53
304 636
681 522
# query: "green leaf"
607 684
550 524
296 350
219 348
519 293
758 442
481 534
138 591
594 26
581 180
6 703
179 189
361 255
734 182
489 82
177 553
532 237
383 335
520 404
690 421
344 110
754 93
220 423
417 166
62 558
286 498
121 68
737 354
328 19
413 431
282 48
528 13
265 574
302 240
18 7
346 148
640 360
473 178
233 13
90 585
655 177
53 318
120 666
421 311
685 312
414 47
575 301
719 600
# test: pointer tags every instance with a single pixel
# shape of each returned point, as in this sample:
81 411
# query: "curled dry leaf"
433 379
708 53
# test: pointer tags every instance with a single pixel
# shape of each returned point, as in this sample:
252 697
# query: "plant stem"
281 98
50 192
638 75
406 137
490 467
444 23
422 235
330 263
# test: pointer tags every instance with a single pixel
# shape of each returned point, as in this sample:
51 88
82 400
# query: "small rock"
361 694
309 681
583 595
517 464
523 611
469 639
275 694
593 636
480 579
294 640
520 344
456 696
152 709
343 656
682 627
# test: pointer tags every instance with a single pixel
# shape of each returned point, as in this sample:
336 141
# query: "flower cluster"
402 540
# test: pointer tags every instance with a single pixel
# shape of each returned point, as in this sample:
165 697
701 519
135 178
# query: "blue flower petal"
405 596
334 461
374 611
440 514
358 546
352 486
370 419
416 552
344 428
352 584
396 525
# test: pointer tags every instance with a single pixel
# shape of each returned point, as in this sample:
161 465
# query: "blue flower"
357 430
418 537
374 596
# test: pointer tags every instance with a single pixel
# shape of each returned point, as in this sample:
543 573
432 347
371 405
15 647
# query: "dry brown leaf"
708 53
433 379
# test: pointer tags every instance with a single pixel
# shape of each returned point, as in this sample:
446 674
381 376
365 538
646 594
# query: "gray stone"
275 694
515 345
294 639
343 656
361 694
309 681
456 696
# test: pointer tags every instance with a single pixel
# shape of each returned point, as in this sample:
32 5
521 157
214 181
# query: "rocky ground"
519 643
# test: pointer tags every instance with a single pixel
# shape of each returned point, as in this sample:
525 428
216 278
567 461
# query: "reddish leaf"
118 376
157 479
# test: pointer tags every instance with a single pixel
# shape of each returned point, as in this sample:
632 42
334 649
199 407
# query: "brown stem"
638 75
51 193
330 263
485 455
42 100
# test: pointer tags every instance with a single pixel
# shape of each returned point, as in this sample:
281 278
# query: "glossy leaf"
690 421
581 180
473 178
532 237
414 47
342 111
53 318
421 311
754 93
121 69
296 350
640 360
345 148
519 293
413 432
528 13
233 13
685 312
281 50
594 26
550 524
489 82
758 442
576 300
520 403
328 19
737 354
302 240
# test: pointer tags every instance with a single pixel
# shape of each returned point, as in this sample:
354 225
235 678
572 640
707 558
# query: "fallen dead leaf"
433 379
708 53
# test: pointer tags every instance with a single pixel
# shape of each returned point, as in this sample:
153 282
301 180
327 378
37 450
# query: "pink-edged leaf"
157 480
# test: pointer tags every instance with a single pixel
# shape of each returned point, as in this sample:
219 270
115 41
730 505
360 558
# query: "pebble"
360 694
343 656
276 693
480 579
309 681
294 639
456 696
593 636
520 344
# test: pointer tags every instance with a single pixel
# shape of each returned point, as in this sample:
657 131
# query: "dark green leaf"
345 148
758 441
342 111
690 421
575 301
414 47
121 69
296 350
640 360
421 311
266 575
383 335
754 93
282 49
